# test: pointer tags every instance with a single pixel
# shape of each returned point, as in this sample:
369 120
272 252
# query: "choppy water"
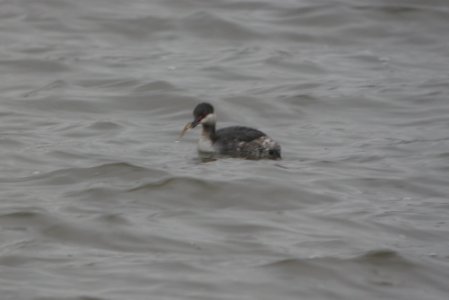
97 201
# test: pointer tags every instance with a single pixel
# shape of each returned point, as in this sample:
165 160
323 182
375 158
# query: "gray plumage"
234 141
250 143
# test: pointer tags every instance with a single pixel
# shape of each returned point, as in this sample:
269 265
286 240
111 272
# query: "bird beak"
195 122
190 125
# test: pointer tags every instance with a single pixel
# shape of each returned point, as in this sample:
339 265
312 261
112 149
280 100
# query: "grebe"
234 141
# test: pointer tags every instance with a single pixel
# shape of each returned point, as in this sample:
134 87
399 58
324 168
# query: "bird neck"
209 131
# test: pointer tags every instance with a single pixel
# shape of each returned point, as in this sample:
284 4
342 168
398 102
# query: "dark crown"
203 109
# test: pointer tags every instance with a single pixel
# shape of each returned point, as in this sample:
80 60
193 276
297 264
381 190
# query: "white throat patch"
210 119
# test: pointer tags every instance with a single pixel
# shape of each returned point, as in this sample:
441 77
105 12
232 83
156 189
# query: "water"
99 202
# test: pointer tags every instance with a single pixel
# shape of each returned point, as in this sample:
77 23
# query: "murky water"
98 201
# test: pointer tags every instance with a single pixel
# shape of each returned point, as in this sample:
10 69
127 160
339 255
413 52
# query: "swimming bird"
234 141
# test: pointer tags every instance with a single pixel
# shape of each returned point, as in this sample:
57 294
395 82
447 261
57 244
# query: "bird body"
234 141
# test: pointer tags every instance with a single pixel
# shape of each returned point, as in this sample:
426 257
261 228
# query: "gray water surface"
99 201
